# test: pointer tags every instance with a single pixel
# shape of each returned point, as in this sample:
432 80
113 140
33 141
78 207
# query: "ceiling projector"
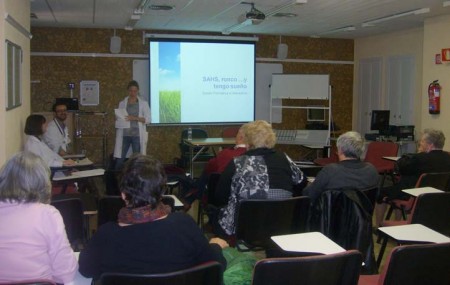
255 15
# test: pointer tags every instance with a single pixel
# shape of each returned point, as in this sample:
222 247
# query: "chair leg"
382 249
389 213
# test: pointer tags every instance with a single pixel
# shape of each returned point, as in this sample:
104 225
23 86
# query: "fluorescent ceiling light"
284 6
446 4
338 30
395 16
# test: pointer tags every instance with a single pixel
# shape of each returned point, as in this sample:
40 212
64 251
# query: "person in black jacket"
147 238
430 158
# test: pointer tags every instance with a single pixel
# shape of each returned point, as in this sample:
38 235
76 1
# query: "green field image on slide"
170 106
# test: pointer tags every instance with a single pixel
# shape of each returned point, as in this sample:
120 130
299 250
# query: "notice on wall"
89 93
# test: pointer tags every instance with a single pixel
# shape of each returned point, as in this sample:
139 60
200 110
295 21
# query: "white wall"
12 122
436 37
409 42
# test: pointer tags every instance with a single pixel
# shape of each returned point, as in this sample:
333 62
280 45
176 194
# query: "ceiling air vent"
160 7
33 16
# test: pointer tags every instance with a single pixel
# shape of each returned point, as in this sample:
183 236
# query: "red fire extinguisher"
434 97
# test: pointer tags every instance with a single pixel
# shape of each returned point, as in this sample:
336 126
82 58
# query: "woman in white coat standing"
133 139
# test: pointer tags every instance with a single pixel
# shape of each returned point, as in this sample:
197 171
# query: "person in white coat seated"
131 138
57 134
35 127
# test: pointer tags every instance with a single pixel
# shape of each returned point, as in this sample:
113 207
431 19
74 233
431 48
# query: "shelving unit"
303 86
91 126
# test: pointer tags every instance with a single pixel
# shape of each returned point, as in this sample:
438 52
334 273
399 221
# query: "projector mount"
254 14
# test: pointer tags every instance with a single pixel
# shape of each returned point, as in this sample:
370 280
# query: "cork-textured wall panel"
50 75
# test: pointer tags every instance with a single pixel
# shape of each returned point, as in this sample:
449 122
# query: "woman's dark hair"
33 125
143 181
133 83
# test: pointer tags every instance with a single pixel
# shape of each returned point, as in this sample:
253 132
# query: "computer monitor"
315 115
380 121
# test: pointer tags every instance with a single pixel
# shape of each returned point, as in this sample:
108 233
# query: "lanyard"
60 128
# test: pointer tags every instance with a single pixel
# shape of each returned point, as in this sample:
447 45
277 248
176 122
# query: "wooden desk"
314 242
411 233
421 190
203 144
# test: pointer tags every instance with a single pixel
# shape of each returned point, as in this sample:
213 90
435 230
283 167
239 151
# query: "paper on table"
121 123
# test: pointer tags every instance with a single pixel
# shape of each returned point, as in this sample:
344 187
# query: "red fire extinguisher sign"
434 97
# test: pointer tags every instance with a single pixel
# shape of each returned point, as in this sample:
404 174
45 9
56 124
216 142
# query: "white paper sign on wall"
89 93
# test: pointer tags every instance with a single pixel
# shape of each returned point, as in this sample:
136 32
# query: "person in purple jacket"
33 240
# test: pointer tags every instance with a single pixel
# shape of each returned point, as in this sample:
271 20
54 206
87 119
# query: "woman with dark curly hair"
147 238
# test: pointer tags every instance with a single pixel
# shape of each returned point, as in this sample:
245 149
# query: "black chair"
207 202
332 269
72 213
258 220
209 273
414 265
185 150
108 209
371 193
345 216
111 178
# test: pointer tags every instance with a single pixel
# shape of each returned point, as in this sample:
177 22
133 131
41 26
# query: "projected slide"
198 82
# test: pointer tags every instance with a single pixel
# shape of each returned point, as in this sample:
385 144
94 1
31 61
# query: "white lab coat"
144 111
39 148
56 137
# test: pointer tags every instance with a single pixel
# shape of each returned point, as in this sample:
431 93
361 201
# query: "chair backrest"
333 269
376 151
108 209
438 180
213 181
205 274
433 210
196 134
230 132
371 193
417 265
258 220
345 216
111 178
72 213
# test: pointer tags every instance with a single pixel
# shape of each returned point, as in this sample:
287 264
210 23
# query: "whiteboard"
300 86
263 75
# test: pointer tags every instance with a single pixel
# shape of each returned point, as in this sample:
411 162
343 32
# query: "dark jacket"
345 217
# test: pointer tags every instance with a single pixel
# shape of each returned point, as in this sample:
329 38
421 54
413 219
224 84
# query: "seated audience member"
216 165
430 158
35 127
260 173
349 172
33 240
147 238
57 135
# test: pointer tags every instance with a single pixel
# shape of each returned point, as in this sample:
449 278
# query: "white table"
414 233
392 158
417 191
178 203
307 242
60 176
411 233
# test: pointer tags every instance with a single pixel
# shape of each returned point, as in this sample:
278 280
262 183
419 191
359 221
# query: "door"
369 91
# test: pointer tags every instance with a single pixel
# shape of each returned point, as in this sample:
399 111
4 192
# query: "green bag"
239 267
